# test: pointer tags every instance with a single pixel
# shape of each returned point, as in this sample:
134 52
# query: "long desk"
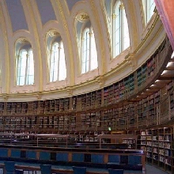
98 159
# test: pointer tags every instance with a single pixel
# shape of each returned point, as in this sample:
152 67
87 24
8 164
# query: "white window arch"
148 6
120 36
25 67
57 63
89 60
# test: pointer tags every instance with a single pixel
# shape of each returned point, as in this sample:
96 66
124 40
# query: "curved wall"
133 102
144 42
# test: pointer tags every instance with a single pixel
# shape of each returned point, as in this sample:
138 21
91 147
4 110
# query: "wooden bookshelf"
157 143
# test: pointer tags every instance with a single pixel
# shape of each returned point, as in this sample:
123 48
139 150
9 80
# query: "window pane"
117 30
126 39
121 39
62 64
148 6
94 62
30 69
21 67
54 63
85 51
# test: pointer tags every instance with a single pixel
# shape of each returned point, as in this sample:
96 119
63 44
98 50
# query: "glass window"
121 39
57 63
25 67
89 53
148 6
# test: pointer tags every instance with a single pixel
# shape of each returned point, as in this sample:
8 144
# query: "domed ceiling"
33 20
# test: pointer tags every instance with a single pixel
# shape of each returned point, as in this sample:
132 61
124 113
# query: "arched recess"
56 60
86 44
86 39
20 38
24 68
24 63
116 33
94 10
50 31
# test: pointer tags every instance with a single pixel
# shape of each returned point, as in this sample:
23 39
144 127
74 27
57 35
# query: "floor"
153 170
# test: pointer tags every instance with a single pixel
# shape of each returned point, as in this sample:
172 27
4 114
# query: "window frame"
25 66
89 59
119 29
54 74
148 7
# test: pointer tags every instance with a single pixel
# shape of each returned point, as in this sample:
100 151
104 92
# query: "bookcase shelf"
157 143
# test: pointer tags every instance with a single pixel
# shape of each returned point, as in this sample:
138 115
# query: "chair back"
9 167
116 171
79 170
45 168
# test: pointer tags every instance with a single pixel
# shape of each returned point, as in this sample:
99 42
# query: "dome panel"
46 10
17 16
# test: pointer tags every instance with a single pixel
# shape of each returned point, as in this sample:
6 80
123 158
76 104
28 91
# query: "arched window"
57 64
120 31
148 6
25 67
89 53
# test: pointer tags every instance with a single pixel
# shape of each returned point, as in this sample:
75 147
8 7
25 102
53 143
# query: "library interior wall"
106 97
109 71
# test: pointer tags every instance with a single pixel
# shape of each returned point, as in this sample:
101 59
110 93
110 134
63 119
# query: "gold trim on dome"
98 26
5 96
69 91
82 17
157 18
36 42
101 80
60 15
121 6
22 40
53 33
114 16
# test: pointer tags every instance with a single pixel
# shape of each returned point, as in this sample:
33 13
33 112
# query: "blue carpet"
154 170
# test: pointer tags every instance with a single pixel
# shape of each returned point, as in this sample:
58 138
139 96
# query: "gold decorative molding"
100 36
22 40
101 80
53 33
148 33
60 15
82 17
38 95
131 60
5 96
36 42
69 90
